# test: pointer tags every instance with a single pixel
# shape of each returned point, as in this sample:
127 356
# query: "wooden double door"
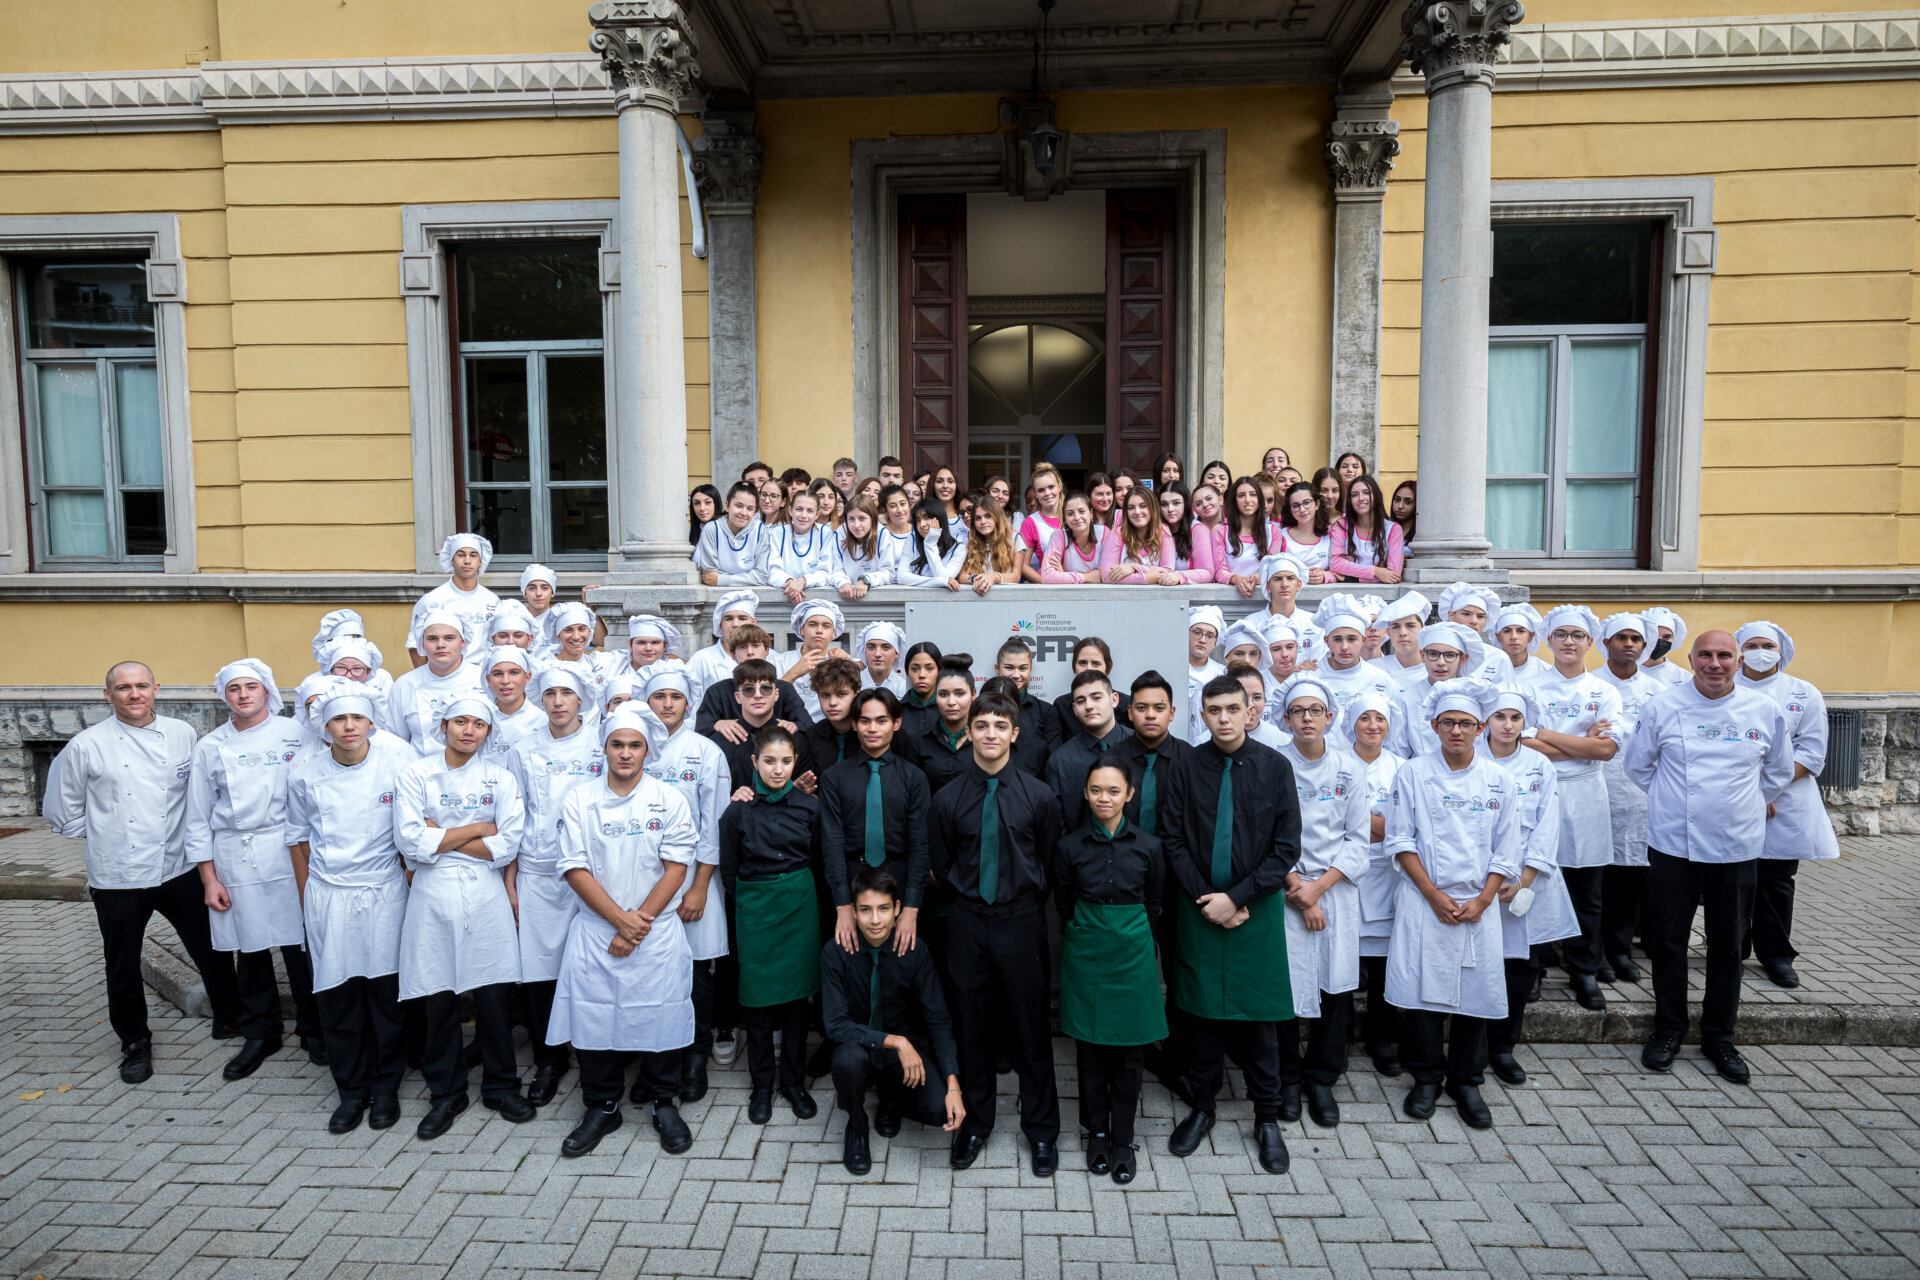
934 331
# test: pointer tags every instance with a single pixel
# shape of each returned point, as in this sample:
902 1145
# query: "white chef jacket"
693 764
420 697
896 681
707 668
1197 678
1572 706
1710 767
471 607
1551 917
1523 676
509 731
1668 672
1799 828
938 572
813 557
731 555
1345 686
356 898
125 790
1409 732
236 812
642 1001
1334 835
459 930
1626 803
1464 826
1378 890
1301 620
549 767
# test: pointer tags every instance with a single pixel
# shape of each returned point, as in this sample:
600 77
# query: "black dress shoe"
1659 1051
1781 972
1473 1108
1586 990
1727 1061
225 1031
1289 1103
1188 1133
248 1060
760 1106
1605 972
346 1116
854 1153
675 1137
384 1113
1046 1159
599 1122
1097 1157
886 1122
1123 1165
693 1077
316 1050
1322 1106
1421 1100
804 1107
1385 1060
546 1083
1624 969
136 1062
513 1107
966 1149
1507 1068
1533 991
439 1117
1273 1148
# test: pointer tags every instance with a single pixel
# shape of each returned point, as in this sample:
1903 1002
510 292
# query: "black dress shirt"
1120 870
911 1002
928 748
718 703
903 810
827 746
740 756
1266 820
1068 767
914 717
1133 753
1070 723
1029 830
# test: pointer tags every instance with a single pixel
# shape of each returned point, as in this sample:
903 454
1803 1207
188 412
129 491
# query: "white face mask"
1761 660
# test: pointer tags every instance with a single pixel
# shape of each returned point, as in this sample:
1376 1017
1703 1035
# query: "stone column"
1361 145
726 165
648 52
1453 44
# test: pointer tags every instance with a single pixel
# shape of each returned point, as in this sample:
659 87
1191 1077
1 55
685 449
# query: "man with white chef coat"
457 819
353 891
716 662
1798 828
463 557
1282 574
122 785
236 809
1665 644
626 977
508 671
650 639
419 696
1516 631
1623 889
1449 650
1712 756
1369 721
1344 671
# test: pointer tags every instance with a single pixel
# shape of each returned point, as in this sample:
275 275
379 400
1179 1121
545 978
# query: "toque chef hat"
251 669
460 541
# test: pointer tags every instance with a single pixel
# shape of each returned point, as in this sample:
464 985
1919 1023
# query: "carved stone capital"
1454 42
726 162
1360 155
648 50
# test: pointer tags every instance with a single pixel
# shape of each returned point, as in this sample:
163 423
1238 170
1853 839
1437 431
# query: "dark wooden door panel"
1140 259
933 332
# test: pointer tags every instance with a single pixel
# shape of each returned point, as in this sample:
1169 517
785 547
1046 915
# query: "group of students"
656 847
848 535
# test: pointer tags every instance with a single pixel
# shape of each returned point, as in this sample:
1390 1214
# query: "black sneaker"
1727 1061
136 1062
1659 1052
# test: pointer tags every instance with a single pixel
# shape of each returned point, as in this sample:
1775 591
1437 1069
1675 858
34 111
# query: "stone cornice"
102 102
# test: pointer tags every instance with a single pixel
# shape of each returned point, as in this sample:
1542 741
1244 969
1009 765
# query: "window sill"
1646 586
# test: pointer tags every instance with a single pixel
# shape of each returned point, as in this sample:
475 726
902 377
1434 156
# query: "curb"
43 889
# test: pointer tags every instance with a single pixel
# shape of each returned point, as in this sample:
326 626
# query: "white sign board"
1143 634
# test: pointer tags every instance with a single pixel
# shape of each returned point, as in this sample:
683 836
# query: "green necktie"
839 747
1223 828
876 829
990 844
876 1018
1100 747
1149 791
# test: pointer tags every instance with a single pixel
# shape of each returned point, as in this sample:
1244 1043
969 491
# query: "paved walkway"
1594 1168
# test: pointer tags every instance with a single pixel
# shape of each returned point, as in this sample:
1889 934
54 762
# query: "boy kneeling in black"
888 1021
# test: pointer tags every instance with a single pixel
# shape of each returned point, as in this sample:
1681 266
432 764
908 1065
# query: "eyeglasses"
1564 636
1308 709
1439 655
1302 504
1452 725
352 670
759 690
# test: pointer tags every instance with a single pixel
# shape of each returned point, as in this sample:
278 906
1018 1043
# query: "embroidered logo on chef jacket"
1753 735
386 798
1794 706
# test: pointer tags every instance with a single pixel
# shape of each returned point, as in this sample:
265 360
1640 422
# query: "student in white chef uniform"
1454 826
236 812
694 765
463 557
1205 623
508 670
716 662
353 889
1798 828
1475 607
816 623
1402 619
1516 630
1323 900
1666 643
457 818
1580 730
627 842
1368 720
1623 889
1449 650
1344 671
650 639
420 696
877 649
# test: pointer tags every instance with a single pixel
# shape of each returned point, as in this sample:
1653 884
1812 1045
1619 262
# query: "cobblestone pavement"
1594 1168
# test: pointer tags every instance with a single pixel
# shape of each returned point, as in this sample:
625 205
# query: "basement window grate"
1841 772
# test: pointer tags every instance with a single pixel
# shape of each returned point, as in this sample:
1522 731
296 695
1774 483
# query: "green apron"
1109 982
1232 975
778 923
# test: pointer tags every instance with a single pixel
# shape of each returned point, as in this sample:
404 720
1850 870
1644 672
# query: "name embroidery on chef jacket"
1569 710
635 826
263 759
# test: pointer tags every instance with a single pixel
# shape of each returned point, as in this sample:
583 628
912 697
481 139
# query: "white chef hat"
1361 703
1282 562
341 622
1765 630
820 608
1277 630
560 675
500 653
1370 607
656 676
1461 594
251 669
1614 623
350 647
735 602
637 716
624 685
1510 698
1520 613
1475 697
317 683
1307 684
342 698
882 631
1408 604
471 703
1341 609
538 573
1206 615
458 541
572 613
1658 616
1246 631
1570 615
447 618
511 615
1455 635
653 626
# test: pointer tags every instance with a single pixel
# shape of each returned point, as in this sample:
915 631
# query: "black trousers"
1676 888
1380 1029
1436 1054
360 1023
444 1066
1327 1035
854 1073
603 1075
1504 1033
1623 899
792 1021
1584 886
1771 937
259 994
1001 978
123 915
1254 1045
1110 1089
539 1012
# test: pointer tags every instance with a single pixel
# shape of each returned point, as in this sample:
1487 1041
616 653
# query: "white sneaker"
725 1048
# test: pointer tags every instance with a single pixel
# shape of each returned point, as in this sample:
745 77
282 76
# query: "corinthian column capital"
1455 41
648 50
726 162
1360 155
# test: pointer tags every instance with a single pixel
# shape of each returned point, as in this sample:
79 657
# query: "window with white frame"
1570 373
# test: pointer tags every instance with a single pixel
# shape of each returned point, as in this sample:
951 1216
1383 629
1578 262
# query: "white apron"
1378 889
258 874
459 931
1335 818
549 768
695 767
1571 707
1799 828
246 804
356 899
1551 917
1626 803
